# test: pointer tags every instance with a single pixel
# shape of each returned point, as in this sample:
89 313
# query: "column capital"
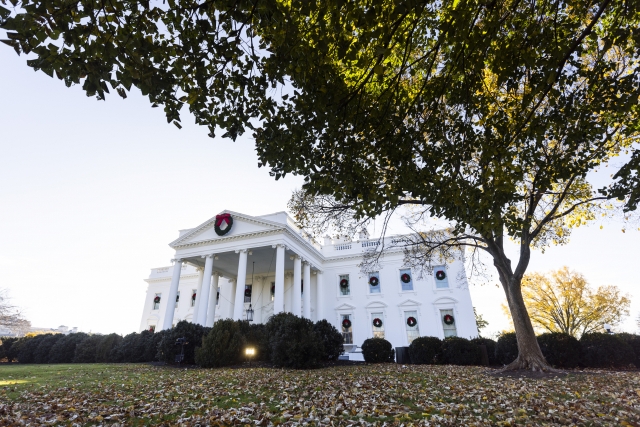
279 245
305 262
242 250
261 277
288 274
294 256
207 256
174 260
216 273
232 280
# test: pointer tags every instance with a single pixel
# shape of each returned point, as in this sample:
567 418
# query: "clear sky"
92 192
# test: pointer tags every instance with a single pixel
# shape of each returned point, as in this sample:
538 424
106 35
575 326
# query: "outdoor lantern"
249 316
607 328
249 352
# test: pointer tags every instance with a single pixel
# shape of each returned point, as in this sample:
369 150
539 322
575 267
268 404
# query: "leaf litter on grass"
386 394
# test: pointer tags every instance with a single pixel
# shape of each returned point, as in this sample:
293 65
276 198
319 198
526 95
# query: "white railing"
342 247
370 243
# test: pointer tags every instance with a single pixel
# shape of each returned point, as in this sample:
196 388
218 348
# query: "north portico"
235 261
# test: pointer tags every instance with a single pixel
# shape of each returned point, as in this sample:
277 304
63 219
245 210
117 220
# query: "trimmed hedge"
459 351
634 342
561 350
223 345
377 350
425 350
293 343
331 338
605 351
192 332
64 350
506 348
490 345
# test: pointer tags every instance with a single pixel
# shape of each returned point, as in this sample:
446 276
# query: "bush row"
286 340
595 350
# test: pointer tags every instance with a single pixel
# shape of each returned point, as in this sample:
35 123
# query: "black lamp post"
250 314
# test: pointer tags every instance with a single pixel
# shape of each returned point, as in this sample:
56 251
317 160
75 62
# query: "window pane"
377 323
345 287
449 330
177 298
413 332
406 279
347 333
247 293
193 300
156 301
273 290
440 276
374 285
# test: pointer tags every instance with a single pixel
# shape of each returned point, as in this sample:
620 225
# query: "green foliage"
425 350
223 345
28 347
561 350
293 342
5 347
459 351
506 348
133 348
377 350
605 351
41 354
332 339
106 345
87 349
193 333
490 345
257 336
634 342
63 351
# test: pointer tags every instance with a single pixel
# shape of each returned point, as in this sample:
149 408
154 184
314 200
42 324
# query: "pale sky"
92 193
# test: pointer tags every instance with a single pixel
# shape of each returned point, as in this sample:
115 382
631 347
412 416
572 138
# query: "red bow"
224 217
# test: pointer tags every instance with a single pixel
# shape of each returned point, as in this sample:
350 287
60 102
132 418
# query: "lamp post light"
250 314
249 352
607 328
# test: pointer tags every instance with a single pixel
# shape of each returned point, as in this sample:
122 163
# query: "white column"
306 276
171 298
278 297
288 284
198 290
206 287
232 296
319 297
238 306
297 289
211 313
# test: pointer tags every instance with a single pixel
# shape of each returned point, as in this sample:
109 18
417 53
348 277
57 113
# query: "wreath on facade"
273 289
374 281
344 283
226 218
440 275
156 300
193 297
411 321
377 322
346 323
448 319
247 292
405 278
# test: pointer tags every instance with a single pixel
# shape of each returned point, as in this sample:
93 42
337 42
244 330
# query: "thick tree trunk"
529 354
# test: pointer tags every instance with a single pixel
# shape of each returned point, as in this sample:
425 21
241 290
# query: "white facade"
271 254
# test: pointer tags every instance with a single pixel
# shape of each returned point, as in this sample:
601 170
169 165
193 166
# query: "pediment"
409 303
345 306
445 300
376 304
243 225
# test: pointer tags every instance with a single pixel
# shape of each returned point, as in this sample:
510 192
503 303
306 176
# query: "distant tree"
563 301
480 322
64 350
87 349
11 317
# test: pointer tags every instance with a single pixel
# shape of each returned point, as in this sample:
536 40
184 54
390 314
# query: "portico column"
211 313
288 284
238 307
307 289
232 296
278 295
208 269
319 295
198 290
297 288
171 298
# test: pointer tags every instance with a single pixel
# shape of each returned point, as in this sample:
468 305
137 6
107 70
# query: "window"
344 285
302 286
218 298
177 298
406 280
377 323
374 283
448 323
440 276
152 328
193 297
347 329
156 301
247 293
411 323
273 290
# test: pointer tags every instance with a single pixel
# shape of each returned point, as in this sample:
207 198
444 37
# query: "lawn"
430 395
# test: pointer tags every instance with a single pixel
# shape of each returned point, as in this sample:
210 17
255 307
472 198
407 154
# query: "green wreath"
405 278
346 323
219 220
377 322
448 319
344 283
374 281
411 321
440 275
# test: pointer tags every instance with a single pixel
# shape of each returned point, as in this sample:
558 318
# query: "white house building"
233 262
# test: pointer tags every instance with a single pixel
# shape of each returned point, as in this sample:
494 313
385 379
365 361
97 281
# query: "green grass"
448 395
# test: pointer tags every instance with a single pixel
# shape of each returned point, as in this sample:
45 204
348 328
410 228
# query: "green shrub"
5 347
293 342
192 332
223 345
506 348
152 346
425 350
86 350
41 353
561 350
490 345
64 349
377 350
605 351
257 336
11 353
332 339
105 346
634 342
459 351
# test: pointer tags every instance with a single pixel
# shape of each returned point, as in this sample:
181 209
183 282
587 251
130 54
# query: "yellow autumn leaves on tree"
563 301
